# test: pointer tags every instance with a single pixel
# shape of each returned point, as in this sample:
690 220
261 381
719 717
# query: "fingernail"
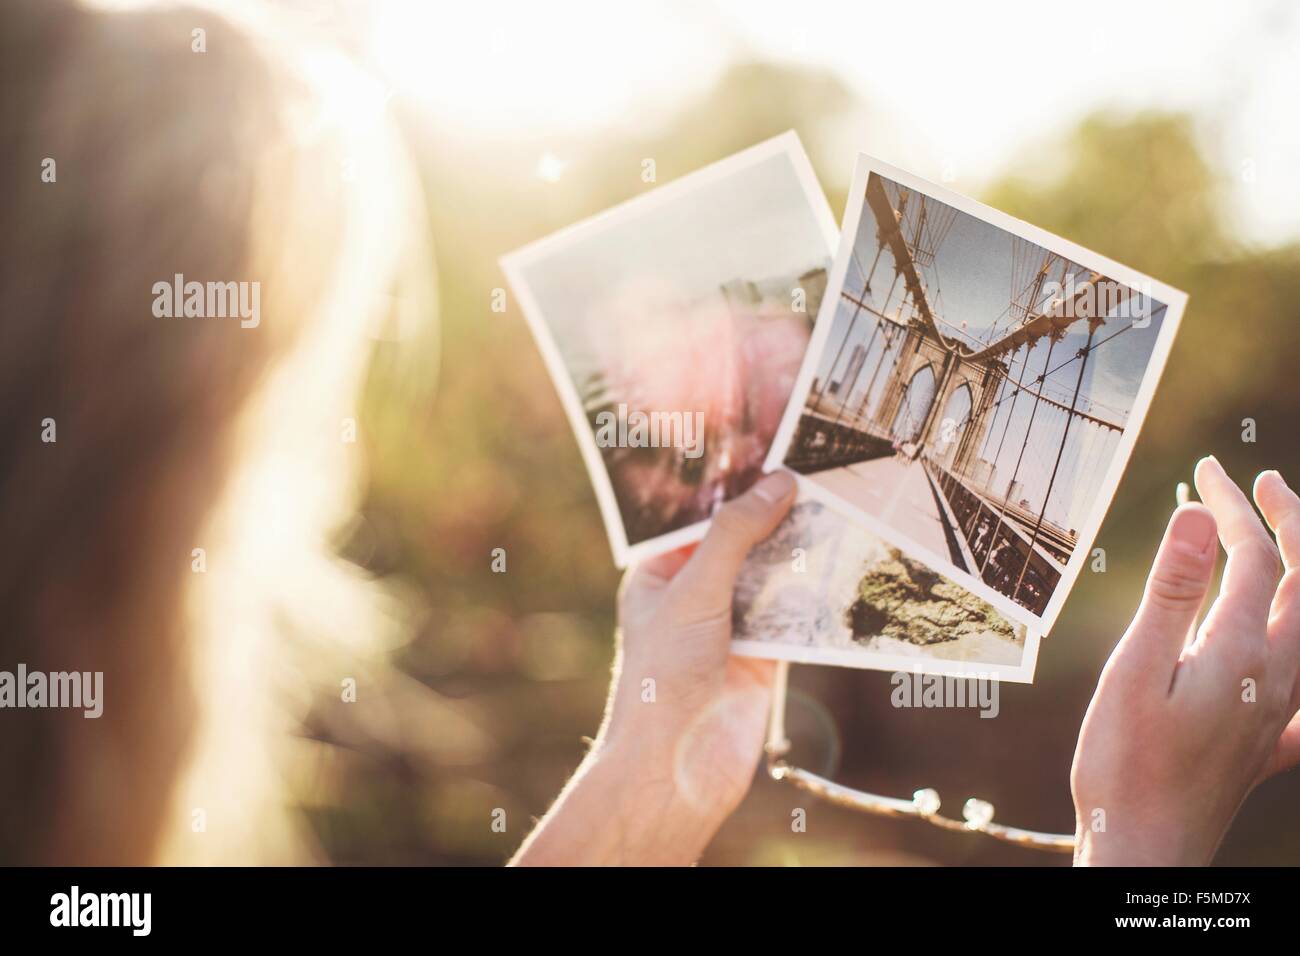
1183 493
1209 461
1273 473
775 487
1194 530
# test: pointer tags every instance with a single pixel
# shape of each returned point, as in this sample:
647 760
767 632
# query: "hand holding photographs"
959 415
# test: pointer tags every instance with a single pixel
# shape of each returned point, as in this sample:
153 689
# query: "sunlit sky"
954 87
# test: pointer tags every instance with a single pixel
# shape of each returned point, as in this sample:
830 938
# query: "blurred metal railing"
925 804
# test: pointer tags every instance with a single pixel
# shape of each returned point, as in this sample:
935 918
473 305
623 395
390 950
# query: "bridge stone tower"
950 373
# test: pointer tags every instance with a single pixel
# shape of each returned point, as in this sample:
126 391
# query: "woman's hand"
1184 723
685 724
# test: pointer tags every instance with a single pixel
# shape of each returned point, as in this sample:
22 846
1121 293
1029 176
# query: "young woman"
171 474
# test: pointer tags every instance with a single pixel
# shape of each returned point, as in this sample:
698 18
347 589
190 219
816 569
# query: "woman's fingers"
1251 574
664 567
1175 589
646 580
1281 509
1286 754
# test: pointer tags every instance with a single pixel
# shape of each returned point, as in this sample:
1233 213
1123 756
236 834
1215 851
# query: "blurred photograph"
673 327
824 590
974 387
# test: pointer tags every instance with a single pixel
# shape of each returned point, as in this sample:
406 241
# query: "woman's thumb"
710 575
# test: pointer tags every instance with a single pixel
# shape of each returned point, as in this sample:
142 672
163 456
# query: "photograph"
673 327
824 590
974 387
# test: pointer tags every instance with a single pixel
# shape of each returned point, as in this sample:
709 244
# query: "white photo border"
866 659
1022 673
514 263
1174 299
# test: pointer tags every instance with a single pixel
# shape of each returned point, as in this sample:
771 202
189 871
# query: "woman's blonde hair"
175 533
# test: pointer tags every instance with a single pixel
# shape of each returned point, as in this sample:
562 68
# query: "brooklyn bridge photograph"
977 392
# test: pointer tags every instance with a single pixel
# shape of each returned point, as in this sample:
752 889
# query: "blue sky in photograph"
973 271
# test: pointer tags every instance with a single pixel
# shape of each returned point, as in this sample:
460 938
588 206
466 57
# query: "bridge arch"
914 405
950 428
